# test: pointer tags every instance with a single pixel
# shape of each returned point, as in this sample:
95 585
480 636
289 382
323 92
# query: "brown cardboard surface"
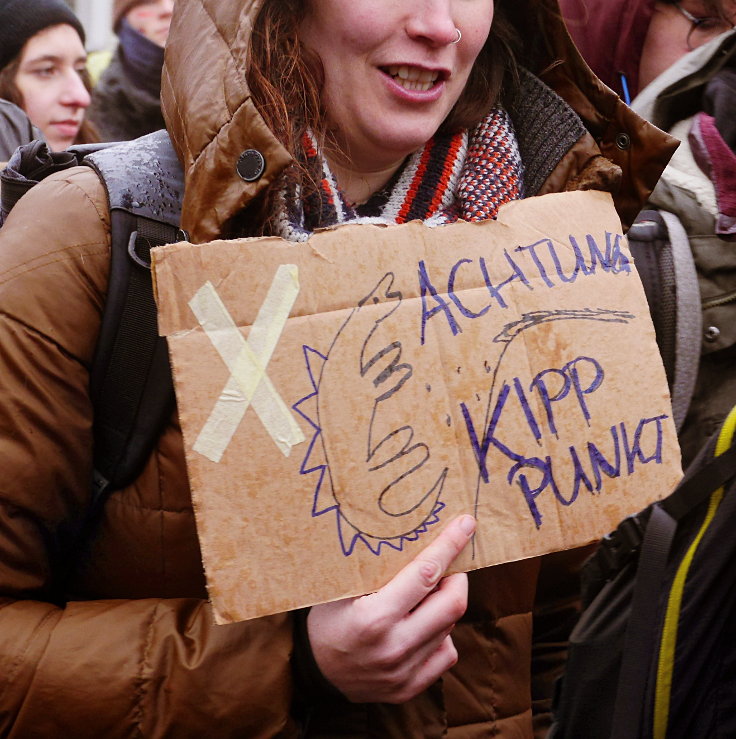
387 379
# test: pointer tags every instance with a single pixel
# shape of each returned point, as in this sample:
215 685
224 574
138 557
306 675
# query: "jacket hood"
214 124
610 35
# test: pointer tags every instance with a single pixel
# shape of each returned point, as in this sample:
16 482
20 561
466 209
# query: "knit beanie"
120 9
22 19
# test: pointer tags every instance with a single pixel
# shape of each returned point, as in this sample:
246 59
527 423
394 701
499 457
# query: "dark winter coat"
121 109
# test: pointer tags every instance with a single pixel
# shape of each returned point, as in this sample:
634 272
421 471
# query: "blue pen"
625 88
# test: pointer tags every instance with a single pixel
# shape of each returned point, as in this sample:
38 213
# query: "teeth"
413 78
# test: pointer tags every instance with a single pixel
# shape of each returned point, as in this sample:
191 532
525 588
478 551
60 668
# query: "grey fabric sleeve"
15 129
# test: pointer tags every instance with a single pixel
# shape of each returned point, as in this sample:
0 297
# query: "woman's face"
392 71
50 80
152 18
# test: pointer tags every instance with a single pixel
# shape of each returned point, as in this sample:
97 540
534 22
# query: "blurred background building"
96 15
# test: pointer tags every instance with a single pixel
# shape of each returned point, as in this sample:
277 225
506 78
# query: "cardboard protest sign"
341 400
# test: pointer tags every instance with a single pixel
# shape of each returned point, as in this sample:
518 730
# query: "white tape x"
247 361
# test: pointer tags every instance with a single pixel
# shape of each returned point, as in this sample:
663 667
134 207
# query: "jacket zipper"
720 300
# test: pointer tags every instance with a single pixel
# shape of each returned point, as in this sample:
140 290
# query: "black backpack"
130 378
654 652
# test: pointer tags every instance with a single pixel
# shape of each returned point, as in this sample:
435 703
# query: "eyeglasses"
702 29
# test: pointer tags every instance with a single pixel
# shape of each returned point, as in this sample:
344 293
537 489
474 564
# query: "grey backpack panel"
143 176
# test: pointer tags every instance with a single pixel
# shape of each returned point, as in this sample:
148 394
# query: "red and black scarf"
464 176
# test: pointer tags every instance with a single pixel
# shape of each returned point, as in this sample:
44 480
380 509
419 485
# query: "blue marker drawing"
396 513
481 444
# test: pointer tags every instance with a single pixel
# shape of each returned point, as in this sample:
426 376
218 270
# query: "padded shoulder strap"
130 382
143 177
652 252
663 258
689 318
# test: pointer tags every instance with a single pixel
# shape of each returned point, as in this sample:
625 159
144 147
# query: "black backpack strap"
130 379
708 475
640 640
617 549
131 387
640 645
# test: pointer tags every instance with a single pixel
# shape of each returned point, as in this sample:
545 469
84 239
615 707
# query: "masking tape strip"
247 361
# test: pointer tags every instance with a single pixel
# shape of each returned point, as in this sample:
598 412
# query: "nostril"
439 31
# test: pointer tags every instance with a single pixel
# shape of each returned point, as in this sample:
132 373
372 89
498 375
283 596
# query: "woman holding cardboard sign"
285 116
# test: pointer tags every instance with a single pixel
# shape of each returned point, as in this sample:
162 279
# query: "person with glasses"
702 28
675 62
628 43
676 28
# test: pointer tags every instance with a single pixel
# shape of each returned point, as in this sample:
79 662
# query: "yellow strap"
668 643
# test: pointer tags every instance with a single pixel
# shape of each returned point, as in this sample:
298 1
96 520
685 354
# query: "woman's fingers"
440 610
389 646
438 661
422 575
421 647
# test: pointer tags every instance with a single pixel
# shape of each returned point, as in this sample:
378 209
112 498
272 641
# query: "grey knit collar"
546 129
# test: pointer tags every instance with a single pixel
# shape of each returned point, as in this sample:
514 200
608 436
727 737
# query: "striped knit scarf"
461 176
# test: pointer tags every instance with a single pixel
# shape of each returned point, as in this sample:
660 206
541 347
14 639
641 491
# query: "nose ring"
459 36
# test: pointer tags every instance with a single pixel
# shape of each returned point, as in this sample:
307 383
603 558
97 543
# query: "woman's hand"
389 646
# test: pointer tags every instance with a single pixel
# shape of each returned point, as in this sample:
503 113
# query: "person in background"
15 129
285 116
42 68
125 101
676 61
627 43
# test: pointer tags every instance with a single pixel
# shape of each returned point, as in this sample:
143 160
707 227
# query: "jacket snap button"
623 141
712 333
251 165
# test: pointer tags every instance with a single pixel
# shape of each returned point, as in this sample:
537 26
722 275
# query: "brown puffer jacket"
134 651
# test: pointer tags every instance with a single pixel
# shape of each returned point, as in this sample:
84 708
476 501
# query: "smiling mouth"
413 78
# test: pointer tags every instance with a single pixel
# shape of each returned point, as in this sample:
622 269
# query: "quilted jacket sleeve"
110 668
